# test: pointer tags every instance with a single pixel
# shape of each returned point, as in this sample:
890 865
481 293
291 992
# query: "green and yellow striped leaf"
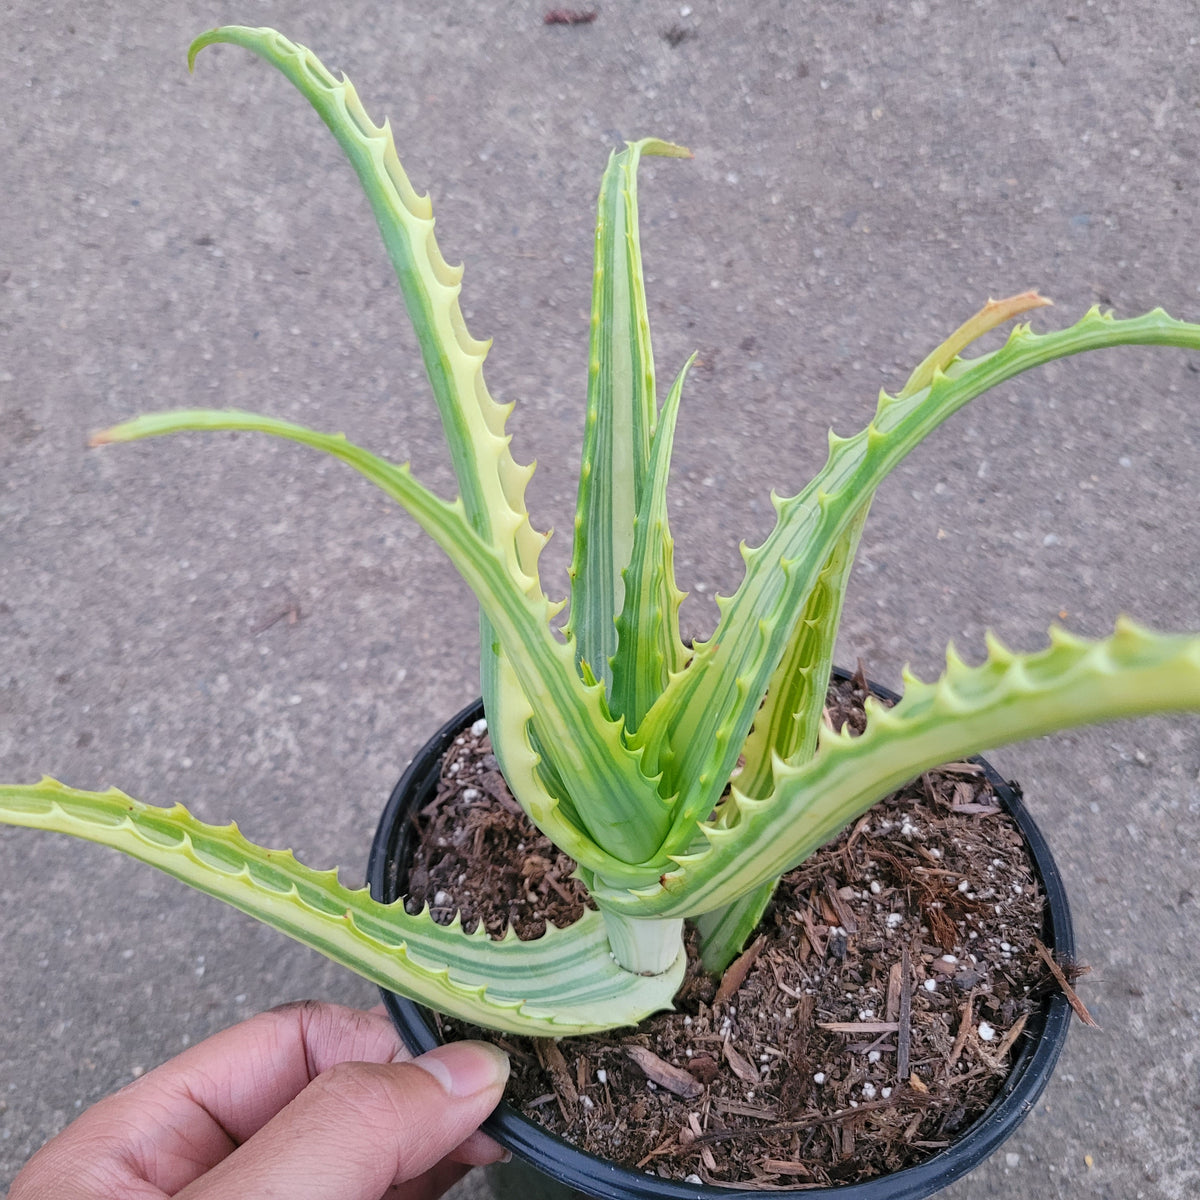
565 982
698 726
586 746
1011 696
622 414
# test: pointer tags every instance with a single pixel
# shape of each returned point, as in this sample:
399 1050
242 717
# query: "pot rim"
1045 1033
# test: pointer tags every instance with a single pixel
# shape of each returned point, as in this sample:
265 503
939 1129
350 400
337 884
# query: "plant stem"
644 945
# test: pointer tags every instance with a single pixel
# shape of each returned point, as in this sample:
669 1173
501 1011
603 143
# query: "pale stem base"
647 945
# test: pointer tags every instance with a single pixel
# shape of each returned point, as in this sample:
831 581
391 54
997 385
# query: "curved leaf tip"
249 36
656 146
205 39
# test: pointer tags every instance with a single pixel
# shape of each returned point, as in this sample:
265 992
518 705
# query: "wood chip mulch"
872 1019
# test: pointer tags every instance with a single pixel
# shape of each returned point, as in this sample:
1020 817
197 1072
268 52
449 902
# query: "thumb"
359 1128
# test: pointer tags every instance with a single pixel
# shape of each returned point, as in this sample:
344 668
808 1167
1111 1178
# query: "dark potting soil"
872 1018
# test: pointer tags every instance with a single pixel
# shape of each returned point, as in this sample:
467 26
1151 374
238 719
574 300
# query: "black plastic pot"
565 1169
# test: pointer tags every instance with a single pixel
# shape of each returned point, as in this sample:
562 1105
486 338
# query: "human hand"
305 1102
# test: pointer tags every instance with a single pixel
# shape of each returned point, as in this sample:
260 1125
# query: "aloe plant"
684 780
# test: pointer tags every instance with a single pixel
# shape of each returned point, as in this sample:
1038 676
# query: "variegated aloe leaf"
787 723
785 729
1011 696
563 983
698 726
533 780
491 483
991 315
622 414
649 650
724 931
585 745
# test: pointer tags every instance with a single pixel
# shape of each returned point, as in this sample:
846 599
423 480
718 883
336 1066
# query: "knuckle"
366 1088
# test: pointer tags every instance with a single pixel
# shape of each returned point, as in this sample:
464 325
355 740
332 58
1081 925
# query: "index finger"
242 1076
184 1117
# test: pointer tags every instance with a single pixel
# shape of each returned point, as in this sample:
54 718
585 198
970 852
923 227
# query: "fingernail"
464 1068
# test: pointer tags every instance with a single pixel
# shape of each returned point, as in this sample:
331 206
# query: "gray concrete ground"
865 175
